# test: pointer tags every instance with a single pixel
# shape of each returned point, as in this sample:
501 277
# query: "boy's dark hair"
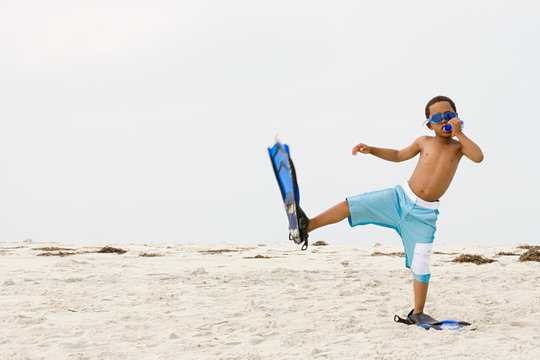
437 99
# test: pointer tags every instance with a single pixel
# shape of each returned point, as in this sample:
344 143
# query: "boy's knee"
344 205
420 266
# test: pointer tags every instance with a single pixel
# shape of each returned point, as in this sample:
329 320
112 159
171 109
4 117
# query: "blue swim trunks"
400 209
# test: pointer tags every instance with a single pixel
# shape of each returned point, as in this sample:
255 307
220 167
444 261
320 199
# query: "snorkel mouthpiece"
448 127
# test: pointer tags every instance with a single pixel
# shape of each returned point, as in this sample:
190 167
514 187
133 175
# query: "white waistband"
430 205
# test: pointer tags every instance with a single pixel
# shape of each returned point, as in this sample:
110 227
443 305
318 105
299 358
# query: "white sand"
334 302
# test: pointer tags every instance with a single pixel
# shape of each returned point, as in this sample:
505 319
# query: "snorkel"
448 127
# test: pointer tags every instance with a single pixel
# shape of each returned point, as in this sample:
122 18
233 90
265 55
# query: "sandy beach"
230 301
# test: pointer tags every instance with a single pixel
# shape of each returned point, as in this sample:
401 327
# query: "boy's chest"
446 153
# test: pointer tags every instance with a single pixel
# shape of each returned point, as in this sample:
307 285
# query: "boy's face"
441 107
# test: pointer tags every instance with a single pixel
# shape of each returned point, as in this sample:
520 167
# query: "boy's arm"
390 154
468 147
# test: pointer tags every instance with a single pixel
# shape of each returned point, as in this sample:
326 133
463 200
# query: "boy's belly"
430 181
429 190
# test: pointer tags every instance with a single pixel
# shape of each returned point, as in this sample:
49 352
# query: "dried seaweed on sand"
319 243
217 251
475 259
109 249
398 254
531 255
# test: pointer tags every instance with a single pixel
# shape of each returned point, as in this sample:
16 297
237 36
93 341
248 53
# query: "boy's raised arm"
390 154
468 147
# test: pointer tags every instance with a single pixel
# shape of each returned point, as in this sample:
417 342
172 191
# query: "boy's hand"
363 148
456 125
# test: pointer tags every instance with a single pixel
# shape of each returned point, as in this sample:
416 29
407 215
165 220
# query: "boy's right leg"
331 216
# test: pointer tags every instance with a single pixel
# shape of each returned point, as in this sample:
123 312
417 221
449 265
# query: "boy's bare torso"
439 159
439 154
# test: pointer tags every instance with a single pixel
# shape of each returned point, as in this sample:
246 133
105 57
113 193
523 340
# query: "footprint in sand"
260 338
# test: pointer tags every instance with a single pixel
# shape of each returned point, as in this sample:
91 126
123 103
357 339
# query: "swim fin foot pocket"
301 235
427 322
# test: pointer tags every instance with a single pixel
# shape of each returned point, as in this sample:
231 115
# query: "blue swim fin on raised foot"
286 178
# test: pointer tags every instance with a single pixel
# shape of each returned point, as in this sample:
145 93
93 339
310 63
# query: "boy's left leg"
420 294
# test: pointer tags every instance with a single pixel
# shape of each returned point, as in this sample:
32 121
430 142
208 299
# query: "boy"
411 209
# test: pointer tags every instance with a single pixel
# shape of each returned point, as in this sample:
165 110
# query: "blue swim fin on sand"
286 178
427 322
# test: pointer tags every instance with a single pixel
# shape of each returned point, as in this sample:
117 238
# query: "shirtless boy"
411 209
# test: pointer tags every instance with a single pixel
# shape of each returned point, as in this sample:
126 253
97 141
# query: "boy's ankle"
310 226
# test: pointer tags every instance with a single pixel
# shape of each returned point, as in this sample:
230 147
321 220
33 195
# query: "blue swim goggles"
437 118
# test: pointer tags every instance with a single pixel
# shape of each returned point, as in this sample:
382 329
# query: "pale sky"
148 121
